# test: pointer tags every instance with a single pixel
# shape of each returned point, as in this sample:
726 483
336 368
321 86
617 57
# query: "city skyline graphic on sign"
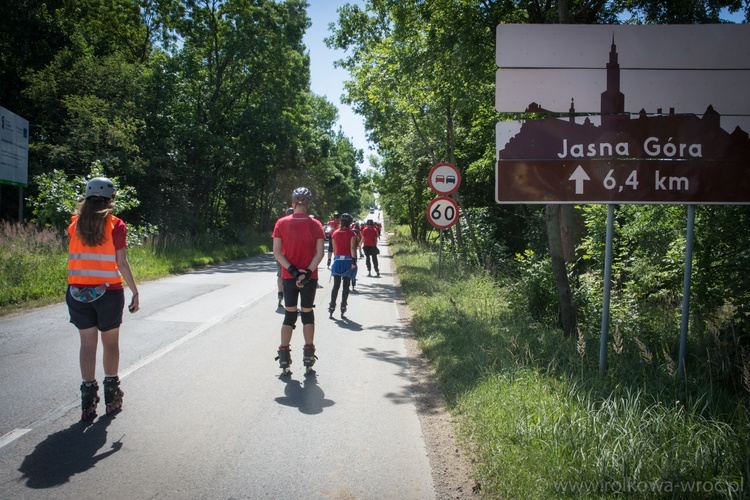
654 134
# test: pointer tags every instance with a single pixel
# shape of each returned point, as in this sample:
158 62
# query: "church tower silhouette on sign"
612 99
622 135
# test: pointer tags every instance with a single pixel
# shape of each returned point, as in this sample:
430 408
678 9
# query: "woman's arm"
127 275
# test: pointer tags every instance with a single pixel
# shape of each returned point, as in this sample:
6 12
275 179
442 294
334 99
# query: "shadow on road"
66 453
308 397
347 324
258 263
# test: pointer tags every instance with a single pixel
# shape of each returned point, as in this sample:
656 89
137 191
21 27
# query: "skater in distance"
298 246
97 265
370 237
344 266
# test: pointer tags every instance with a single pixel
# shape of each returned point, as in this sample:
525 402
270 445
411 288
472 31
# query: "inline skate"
89 400
285 359
331 309
281 299
309 358
113 394
343 309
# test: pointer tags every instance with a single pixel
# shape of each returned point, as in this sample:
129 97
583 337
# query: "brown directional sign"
623 181
613 152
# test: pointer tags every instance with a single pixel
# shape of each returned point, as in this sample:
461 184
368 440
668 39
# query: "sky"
327 80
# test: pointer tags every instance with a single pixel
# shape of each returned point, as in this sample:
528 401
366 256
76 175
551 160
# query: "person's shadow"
308 398
66 453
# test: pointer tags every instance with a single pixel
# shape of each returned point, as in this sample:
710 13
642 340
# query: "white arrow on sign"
579 175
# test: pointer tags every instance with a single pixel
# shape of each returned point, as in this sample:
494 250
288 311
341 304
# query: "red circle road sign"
442 212
444 178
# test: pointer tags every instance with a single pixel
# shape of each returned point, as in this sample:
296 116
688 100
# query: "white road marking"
17 433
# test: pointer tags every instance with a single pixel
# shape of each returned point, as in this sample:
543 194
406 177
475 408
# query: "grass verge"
33 261
540 420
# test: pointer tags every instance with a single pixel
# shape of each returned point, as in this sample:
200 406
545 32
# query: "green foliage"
59 197
535 294
214 132
34 259
539 418
33 264
647 280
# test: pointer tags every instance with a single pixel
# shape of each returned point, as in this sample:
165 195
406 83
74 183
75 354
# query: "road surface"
206 414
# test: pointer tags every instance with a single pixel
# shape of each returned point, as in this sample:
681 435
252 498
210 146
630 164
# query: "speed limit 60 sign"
442 212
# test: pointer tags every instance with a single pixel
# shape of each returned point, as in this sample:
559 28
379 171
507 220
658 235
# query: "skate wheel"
310 371
113 408
286 371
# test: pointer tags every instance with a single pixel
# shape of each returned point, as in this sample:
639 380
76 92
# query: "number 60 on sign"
442 212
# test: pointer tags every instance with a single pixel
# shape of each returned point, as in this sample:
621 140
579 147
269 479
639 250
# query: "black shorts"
105 313
306 294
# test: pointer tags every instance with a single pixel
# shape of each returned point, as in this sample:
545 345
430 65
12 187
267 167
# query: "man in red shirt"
298 247
370 239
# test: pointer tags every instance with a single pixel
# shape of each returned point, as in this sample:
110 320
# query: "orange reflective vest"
93 265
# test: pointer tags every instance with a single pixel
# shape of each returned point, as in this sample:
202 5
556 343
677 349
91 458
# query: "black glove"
304 277
293 270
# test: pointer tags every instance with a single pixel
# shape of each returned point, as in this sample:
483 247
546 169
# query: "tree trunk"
568 233
559 272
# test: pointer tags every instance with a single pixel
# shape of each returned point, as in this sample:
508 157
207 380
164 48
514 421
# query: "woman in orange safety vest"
97 265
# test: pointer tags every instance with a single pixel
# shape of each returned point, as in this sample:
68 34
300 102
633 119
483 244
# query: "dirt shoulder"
451 467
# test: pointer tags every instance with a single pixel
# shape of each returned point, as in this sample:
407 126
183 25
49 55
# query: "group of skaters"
98 265
299 247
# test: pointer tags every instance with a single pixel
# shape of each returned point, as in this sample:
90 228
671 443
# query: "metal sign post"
440 253
607 289
686 289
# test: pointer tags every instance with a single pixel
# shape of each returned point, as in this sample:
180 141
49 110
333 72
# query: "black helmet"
335 215
370 222
100 186
289 211
301 195
346 219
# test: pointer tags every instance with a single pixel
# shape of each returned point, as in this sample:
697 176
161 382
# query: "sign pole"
686 289
440 253
607 288
442 212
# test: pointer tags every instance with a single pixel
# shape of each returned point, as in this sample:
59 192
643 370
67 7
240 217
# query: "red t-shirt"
342 241
369 236
299 234
334 224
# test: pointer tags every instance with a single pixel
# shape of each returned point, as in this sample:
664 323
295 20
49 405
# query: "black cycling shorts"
105 313
306 295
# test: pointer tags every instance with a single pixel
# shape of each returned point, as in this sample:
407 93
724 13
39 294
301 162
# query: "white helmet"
100 186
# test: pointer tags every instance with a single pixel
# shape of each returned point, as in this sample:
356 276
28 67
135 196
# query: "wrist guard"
304 277
293 270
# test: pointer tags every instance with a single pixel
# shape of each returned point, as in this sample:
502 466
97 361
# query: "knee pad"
308 317
290 318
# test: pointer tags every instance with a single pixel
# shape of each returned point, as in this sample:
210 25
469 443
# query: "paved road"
206 414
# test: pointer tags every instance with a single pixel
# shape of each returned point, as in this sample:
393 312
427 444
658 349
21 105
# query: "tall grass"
33 260
540 420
